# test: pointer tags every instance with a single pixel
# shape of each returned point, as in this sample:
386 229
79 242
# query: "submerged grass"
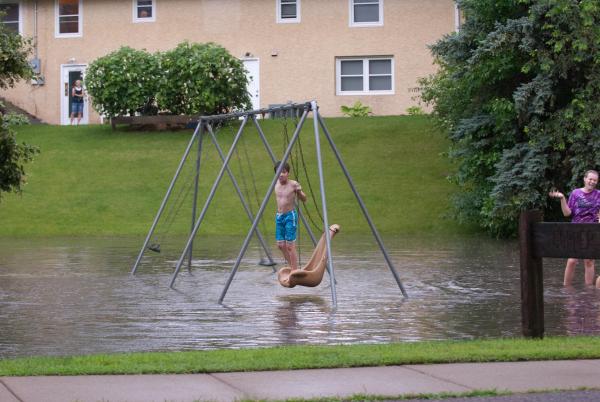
89 180
308 357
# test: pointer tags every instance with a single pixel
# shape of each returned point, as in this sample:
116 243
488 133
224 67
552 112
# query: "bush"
415 111
14 53
356 110
124 82
201 79
13 155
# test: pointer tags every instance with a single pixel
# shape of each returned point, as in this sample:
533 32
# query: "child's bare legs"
284 250
79 116
72 118
570 271
590 271
291 248
288 249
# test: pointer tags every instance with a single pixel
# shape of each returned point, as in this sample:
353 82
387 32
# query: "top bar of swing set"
235 115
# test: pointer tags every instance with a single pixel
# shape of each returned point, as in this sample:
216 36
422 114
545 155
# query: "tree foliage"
13 155
123 82
190 79
14 51
518 91
202 78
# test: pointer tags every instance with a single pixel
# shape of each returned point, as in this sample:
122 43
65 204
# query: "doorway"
252 67
69 74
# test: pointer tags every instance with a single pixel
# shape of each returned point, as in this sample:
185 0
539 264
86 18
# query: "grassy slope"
304 357
92 181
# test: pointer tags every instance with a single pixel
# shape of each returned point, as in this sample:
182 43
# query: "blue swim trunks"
285 226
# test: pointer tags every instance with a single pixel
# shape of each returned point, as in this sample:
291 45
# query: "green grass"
308 357
90 180
441 395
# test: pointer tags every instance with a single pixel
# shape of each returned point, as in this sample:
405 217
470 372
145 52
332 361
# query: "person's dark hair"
286 166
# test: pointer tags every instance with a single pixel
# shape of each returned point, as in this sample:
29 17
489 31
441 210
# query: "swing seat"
312 273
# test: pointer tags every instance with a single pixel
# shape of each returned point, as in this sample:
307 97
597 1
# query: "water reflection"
74 296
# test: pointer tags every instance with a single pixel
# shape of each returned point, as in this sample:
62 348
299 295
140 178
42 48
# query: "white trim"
57 33
255 80
20 3
365 24
142 20
287 20
365 76
456 17
64 100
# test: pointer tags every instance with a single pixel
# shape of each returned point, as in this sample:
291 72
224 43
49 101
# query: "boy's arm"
300 193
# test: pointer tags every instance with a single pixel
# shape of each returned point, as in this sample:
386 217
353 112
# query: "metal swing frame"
205 128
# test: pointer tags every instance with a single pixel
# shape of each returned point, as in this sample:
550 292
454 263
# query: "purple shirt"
584 206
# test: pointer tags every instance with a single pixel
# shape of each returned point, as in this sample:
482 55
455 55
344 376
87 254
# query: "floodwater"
76 296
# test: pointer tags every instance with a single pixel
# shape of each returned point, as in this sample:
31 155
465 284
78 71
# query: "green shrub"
123 82
201 79
14 53
13 155
415 111
356 110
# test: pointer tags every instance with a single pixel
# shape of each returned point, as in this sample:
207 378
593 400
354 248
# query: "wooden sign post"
537 240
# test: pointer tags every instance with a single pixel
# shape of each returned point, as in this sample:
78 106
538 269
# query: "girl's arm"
563 202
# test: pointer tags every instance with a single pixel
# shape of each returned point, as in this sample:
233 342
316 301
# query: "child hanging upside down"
286 219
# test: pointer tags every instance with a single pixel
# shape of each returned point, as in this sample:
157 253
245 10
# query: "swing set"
319 262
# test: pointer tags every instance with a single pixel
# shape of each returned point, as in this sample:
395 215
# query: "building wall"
297 60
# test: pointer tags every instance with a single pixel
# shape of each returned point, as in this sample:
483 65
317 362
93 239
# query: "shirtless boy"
286 219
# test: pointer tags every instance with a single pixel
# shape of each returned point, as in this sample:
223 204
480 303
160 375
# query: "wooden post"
532 286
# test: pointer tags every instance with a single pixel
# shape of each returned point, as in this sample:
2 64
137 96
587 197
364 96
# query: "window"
11 17
68 18
143 11
371 76
366 13
288 11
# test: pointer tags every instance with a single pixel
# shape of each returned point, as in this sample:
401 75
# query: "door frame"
256 80
65 69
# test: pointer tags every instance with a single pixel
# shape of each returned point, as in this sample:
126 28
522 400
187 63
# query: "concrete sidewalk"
279 385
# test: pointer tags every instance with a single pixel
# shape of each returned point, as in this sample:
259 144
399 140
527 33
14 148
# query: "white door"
253 71
69 74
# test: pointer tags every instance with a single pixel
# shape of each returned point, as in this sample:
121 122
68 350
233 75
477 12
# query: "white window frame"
136 19
365 75
281 20
57 33
20 3
366 24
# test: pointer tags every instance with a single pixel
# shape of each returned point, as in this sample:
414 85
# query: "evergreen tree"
518 92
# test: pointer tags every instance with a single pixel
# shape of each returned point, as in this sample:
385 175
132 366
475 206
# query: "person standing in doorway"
77 102
583 206
286 219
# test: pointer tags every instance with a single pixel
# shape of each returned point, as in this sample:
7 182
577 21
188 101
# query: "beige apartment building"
333 51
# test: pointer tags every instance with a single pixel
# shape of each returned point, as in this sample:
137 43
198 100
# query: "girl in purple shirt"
583 206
